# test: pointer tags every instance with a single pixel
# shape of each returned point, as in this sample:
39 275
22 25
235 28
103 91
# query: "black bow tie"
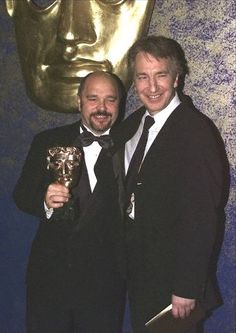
87 138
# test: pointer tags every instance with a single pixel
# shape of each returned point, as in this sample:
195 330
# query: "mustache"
101 113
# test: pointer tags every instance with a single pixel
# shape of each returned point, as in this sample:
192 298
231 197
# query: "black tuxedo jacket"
178 200
83 252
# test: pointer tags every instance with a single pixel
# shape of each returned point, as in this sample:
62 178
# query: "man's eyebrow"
91 95
140 74
107 96
164 71
112 96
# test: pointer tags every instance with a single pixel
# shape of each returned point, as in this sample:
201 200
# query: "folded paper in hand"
164 322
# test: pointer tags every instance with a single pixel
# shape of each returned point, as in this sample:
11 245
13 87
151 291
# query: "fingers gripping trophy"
64 165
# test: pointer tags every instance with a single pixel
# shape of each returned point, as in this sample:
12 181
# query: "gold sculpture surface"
64 166
60 41
64 163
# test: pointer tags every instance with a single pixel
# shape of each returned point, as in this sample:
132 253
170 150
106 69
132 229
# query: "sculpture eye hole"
43 4
112 2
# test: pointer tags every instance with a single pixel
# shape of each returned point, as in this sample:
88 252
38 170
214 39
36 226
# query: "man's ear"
11 5
79 102
133 87
176 83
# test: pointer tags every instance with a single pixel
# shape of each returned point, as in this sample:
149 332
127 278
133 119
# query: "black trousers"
75 307
139 308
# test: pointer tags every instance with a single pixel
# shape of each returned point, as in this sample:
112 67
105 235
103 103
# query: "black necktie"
87 138
137 158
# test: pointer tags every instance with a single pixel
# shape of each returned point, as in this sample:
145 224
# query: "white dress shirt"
91 154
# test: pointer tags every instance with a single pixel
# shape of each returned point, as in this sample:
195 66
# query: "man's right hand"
57 195
182 307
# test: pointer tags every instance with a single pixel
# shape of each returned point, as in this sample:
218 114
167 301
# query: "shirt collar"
161 117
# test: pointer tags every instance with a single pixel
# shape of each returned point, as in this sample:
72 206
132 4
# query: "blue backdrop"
206 30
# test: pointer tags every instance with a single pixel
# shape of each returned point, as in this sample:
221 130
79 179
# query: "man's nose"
76 23
102 105
153 84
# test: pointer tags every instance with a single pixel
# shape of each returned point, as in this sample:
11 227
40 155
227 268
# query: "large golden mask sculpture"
60 41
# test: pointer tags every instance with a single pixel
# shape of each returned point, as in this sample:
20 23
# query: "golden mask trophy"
61 41
63 163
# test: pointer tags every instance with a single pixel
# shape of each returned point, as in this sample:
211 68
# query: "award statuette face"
61 41
64 162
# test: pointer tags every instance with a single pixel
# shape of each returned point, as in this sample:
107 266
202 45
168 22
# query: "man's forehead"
100 76
149 61
94 81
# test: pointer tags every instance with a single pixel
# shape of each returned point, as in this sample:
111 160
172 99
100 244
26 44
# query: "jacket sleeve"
31 187
200 185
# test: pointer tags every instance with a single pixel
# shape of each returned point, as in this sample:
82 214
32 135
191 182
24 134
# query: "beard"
100 121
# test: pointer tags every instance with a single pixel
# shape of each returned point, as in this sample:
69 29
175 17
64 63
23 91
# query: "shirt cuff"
48 211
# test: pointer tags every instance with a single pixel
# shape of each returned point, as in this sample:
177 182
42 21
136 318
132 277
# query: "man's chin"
100 130
101 127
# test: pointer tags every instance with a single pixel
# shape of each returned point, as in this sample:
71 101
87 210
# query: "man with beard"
73 279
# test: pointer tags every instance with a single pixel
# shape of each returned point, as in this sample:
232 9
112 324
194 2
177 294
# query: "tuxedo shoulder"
135 114
125 129
58 131
57 136
193 118
192 126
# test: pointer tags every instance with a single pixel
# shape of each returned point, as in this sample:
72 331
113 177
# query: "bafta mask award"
64 162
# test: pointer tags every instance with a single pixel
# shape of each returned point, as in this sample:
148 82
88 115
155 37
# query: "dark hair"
160 47
120 86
